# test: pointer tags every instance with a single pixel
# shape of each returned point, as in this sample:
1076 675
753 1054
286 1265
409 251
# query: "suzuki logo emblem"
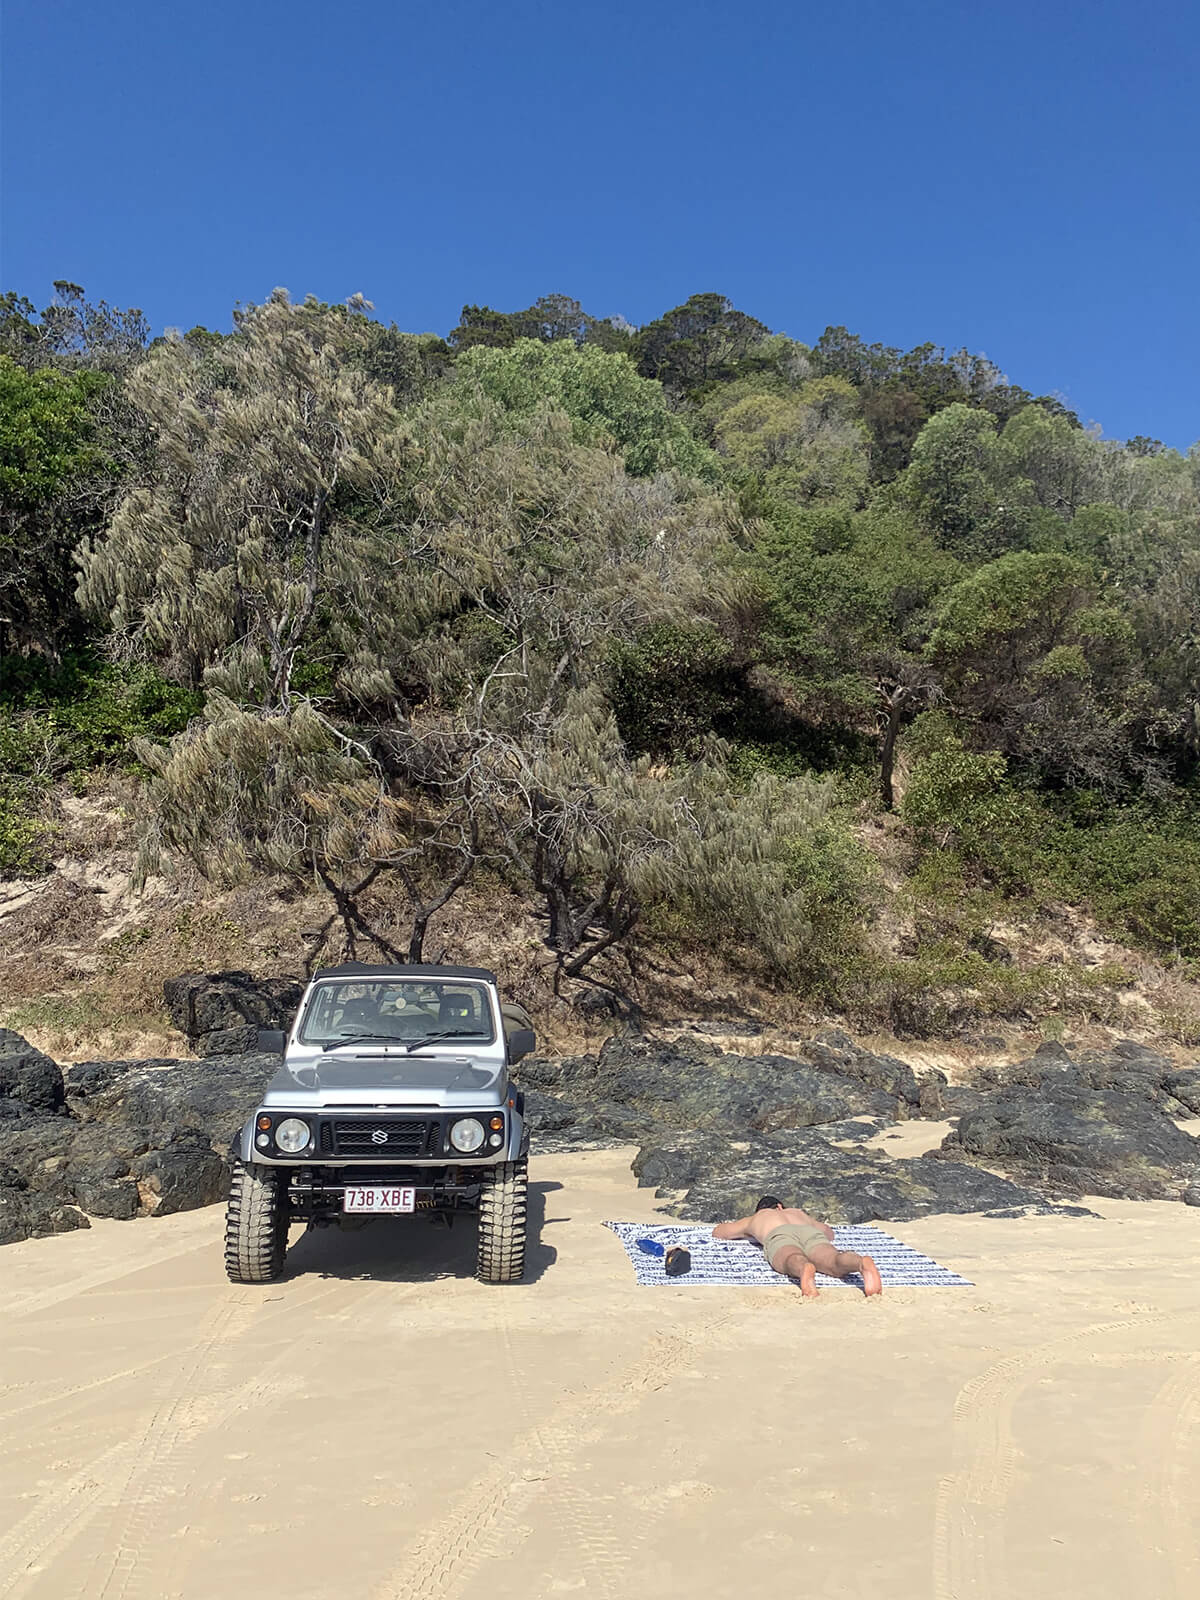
379 1136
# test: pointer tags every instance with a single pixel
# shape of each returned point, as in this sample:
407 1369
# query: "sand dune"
380 1425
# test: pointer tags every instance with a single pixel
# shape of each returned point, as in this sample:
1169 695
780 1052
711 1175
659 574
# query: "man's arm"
733 1230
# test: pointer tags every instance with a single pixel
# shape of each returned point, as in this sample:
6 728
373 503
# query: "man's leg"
794 1263
835 1263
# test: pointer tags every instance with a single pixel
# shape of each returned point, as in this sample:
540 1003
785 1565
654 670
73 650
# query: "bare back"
760 1223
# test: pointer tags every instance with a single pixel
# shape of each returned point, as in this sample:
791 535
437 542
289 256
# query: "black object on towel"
678 1261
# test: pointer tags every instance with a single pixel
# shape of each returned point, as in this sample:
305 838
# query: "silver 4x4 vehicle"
394 1096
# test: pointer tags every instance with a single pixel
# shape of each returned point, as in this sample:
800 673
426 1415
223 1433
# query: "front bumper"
315 1193
383 1138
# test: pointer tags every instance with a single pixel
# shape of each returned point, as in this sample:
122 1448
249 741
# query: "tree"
799 445
705 340
256 527
599 390
72 332
1037 663
954 481
850 604
54 474
549 319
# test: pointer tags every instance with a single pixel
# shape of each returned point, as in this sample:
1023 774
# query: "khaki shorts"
793 1236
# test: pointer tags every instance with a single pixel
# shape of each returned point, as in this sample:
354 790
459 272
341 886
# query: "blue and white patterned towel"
739 1261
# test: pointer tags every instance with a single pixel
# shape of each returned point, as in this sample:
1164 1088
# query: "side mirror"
521 1042
271 1041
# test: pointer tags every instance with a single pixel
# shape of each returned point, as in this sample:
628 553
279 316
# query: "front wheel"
502 1223
256 1225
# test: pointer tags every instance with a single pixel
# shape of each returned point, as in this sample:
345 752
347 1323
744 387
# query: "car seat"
454 1010
359 1014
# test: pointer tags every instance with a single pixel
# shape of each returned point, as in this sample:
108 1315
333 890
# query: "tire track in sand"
139 1563
67 1507
1167 1503
29 1304
968 1535
483 1524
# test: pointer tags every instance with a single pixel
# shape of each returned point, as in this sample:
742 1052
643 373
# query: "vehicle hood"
375 1078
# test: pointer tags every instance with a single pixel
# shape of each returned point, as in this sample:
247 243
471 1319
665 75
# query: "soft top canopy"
365 971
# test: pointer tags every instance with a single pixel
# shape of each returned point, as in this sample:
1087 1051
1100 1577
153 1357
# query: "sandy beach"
380 1425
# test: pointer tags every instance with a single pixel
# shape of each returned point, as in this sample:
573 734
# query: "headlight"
467 1135
291 1135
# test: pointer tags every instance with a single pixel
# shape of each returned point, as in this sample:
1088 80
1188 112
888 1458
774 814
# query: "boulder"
1073 1139
231 1004
25 1214
725 1179
639 1086
213 1095
181 1176
27 1075
134 1137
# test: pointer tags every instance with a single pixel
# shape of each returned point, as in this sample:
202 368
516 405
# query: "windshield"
405 1009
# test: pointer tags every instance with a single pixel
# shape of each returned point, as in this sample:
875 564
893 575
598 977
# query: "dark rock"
726 1179
139 1137
1126 1066
108 1197
28 1075
203 1003
48 1215
690 1084
958 1098
214 1095
183 1175
1075 1140
228 1041
1191 1195
1184 1087
835 1051
14 1214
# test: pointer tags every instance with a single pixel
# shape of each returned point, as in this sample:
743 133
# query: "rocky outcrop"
725 1128
117 1138
638 1087
1100 1123
221 1012
724 1179
28 1076
714 1129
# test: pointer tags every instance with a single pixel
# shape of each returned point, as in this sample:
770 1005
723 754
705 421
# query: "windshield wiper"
450 1033
353 1038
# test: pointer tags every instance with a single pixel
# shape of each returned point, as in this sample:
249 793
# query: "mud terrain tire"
502 1224
256 1224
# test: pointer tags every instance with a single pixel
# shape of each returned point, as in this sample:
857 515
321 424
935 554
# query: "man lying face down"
798 1246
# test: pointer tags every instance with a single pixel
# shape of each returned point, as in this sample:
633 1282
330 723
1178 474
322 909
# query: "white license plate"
375 1202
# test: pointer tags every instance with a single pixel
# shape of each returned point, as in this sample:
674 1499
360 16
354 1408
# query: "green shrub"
1139 868
671 686
24 837
63 722
84 715
965 803
840 887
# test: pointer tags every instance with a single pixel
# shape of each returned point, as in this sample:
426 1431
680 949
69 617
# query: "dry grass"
83 959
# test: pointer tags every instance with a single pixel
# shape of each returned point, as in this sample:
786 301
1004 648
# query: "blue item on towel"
651 1247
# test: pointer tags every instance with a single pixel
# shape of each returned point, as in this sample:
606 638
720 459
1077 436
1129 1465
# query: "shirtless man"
799 1246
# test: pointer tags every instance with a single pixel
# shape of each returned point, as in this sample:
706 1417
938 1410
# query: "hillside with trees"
854 676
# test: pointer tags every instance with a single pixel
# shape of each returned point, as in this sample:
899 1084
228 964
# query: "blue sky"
1019 178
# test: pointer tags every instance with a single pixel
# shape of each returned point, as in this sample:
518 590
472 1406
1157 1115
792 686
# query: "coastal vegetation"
835 656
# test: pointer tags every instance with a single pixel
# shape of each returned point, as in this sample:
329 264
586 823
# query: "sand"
381 1426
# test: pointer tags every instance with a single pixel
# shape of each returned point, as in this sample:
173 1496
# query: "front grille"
382 1137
